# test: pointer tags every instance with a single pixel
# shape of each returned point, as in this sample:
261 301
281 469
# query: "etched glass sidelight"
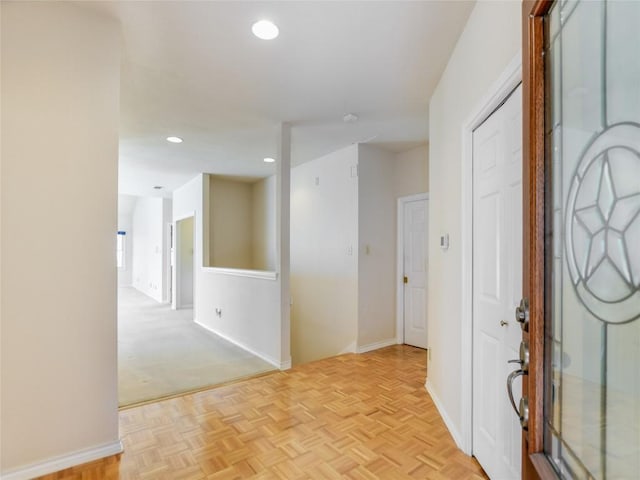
592 409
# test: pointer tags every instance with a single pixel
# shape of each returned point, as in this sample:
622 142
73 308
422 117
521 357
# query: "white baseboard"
267 358
285 365
445 416
351 348
64 461
375 346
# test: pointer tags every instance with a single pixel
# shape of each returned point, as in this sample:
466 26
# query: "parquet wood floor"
357 417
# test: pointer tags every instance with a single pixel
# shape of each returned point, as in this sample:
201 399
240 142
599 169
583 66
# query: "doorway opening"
183 280
497 284
495 97
162 351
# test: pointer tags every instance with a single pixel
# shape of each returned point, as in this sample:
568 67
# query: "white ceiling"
194 69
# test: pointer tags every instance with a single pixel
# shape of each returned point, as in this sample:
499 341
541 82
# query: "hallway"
352 416
163 352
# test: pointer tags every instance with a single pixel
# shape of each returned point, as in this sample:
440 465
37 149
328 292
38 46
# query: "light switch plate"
444 241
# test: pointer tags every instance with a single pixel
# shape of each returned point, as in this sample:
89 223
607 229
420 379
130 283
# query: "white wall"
324 261
263 197
149 243
125 274
126 204
377 247
411 171
60 100
490 40
251 307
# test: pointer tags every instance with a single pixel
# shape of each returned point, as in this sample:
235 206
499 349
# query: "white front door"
415 272
497 285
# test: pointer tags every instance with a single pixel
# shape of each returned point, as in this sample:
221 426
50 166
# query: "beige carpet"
162 352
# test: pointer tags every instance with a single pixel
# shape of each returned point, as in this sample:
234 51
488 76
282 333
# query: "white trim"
375 346
351 348
445 416
239 272
285 365
510 78
400 262
267 358
61 462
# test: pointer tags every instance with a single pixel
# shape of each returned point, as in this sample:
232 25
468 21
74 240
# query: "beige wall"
263 198
411 171
377 247
230 223
60 98
343 253
324 256
185 253
490 41
242 223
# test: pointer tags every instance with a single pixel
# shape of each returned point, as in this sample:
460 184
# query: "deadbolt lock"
522 314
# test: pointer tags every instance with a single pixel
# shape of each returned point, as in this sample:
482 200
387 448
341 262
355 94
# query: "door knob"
522 314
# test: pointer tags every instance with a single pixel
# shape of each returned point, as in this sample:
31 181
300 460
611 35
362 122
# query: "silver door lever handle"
512 376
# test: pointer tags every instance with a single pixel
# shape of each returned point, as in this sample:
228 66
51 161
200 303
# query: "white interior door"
497 284
415 272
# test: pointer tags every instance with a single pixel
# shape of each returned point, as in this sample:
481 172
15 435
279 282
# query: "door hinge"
406 279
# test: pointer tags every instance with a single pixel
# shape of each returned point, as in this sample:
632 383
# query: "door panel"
592 411
488 261
489 347
497 261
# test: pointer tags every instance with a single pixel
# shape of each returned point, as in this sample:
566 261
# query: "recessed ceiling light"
174 139
265 30
350 118
157 187
269 160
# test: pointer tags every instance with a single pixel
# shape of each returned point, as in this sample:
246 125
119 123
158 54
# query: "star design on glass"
602 225
607 221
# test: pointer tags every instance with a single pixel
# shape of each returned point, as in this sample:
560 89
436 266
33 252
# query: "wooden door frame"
535 463
402 201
